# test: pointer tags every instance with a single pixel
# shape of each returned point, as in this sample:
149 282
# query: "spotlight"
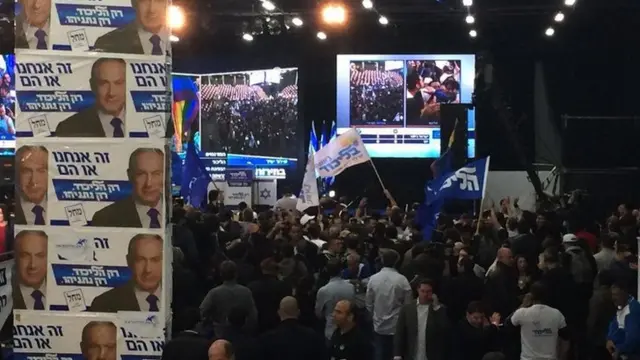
332 193
268 5
321 35
174 38
473 33
467 2
569 2
470 19
367 4
559 17
550 31
176 17
334 14
297 21
247 37
383 20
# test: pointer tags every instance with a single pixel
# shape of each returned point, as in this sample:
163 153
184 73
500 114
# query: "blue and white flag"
309 192
345 151
466 183
195 179
332 135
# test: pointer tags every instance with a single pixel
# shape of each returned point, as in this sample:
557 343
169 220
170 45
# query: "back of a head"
389 257
269 266
494 356
221 350
247 215
333 268
538 292
228 270
551 256
523 226
289 308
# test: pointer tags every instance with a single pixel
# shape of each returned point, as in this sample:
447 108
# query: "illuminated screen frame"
8 145
394 150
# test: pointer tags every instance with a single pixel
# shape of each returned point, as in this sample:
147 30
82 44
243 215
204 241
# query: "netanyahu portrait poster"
61 95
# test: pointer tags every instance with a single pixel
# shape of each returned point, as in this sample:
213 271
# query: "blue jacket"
627 340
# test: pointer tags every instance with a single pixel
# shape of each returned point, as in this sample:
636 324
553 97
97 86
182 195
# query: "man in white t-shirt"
542 328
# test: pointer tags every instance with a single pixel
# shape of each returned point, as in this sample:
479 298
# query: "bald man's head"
288 308
505 256
221 350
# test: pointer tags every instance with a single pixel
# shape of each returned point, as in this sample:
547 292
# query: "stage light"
247 37
268 5
332 193
473 33
550 31
334 14
569 2
174 38
176 17
467 2
367 4
470 19
383 20
296 21
559 17
321 35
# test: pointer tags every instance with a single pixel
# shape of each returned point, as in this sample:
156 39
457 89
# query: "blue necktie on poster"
195 178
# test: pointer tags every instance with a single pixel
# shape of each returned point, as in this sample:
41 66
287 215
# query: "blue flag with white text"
466 183
195 179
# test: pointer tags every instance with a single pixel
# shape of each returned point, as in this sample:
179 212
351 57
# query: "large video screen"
252 116
394 100
7 106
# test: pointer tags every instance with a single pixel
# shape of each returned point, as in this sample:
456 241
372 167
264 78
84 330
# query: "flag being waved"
195 179
466 183
309 192
341 153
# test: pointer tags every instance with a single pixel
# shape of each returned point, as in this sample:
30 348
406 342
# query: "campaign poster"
112 183
103 96
239 186
6 300
143 336
79 270
47 335
114 26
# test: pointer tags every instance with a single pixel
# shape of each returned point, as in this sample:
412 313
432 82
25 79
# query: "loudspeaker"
453 126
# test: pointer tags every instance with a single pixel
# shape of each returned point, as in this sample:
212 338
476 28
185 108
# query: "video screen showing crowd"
7 98
376 93
251 113
431 83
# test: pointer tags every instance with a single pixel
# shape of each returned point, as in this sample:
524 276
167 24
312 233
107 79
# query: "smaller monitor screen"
395 100
7 106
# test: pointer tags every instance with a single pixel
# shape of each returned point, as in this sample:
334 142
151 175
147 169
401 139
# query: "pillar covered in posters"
92 242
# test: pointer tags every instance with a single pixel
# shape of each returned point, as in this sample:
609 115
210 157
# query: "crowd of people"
7 98
376 97
429 84
363 285
243 119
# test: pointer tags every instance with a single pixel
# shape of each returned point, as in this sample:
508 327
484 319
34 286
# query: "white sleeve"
562 323
516 318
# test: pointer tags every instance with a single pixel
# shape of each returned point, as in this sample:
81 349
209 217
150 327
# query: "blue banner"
91 190
90 275
54 101
466 183
239 177
150 101
95 16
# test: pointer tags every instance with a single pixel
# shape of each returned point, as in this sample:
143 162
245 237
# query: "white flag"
309 192
342 152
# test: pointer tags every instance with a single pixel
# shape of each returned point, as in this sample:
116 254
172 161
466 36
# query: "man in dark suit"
425 319
99 341
143 292
107 117
32 26
143 208
29 289
148 34
32 183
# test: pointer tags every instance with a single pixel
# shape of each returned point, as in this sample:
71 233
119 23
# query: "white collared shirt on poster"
30 34
29 215
29 301
105 121
141 296
145 40
145 219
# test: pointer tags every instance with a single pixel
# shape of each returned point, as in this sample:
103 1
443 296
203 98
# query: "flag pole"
377 174
484 191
